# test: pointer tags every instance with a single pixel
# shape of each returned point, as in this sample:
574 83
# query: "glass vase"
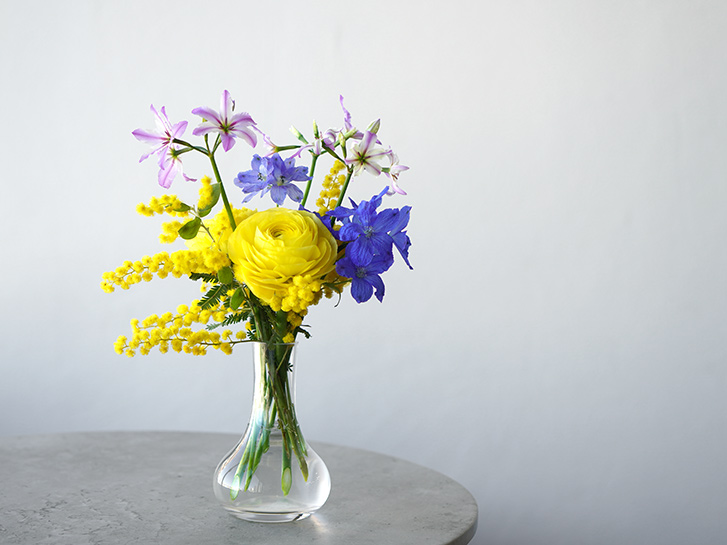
272 474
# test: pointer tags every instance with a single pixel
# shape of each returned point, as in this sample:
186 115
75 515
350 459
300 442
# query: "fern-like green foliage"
231 319
213 295
207 277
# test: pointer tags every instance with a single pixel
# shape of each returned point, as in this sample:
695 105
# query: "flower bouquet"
260 271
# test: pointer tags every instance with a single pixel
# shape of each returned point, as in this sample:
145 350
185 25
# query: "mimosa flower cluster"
262 269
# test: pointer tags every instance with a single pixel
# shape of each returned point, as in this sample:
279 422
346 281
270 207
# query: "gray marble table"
156 488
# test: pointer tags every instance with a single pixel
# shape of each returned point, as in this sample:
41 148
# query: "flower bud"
374 127
298 135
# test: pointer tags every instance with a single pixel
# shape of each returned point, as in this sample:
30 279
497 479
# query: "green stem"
286 417
285 148
332 153
244 464
345 187
255 314
286 474
195 148
311 173
223 194
281 324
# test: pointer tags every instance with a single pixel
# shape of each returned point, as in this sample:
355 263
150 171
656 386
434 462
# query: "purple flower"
163 138
329 138
392 172
365 155
321 141
275 175
364 278
347 125
366 230
371 233
228 125
371 237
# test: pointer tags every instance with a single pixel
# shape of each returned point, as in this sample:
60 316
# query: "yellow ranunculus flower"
271 247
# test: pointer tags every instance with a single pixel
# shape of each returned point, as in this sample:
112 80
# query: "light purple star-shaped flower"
365 155
228 125
163 138
392 172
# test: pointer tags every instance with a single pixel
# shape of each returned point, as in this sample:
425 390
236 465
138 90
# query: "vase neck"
274 368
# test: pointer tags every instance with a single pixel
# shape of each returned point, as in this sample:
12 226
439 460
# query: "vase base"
252 516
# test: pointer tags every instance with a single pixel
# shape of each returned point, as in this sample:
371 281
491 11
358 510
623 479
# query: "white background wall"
559 348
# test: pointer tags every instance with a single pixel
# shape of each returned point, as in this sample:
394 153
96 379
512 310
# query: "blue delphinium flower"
371 237
364 278
275 175
366 230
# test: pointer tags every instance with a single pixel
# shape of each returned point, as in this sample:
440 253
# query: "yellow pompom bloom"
331 189
218 231
270 248
205 192
169 204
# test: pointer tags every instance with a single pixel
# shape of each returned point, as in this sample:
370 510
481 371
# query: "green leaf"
190 229
213 296
207 277
237 298
231 319
202 212
225 276
183 208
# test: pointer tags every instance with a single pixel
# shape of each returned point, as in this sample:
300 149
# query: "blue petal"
346 268
380 263
278 193
386 219
402 243
350 231
382 243
294 192
340 213
403 220
375 281
361 290
361 251
377 199
246 179
365 213
255 163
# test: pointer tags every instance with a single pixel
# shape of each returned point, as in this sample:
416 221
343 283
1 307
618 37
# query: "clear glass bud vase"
272 474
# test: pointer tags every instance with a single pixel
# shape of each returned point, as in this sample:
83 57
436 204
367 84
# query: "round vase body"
272 474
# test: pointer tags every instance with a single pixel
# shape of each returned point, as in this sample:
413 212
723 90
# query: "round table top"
156 487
